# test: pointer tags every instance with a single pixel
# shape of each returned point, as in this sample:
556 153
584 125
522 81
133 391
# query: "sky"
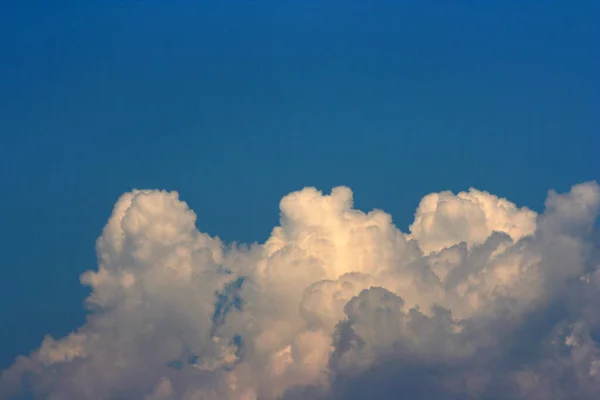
236 105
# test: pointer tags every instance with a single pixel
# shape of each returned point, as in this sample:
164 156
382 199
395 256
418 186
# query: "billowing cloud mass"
481 299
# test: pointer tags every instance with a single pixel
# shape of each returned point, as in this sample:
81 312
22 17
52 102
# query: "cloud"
444 219
481 299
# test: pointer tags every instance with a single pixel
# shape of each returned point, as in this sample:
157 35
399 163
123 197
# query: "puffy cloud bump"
481 299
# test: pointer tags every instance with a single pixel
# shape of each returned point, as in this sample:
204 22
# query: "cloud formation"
481 299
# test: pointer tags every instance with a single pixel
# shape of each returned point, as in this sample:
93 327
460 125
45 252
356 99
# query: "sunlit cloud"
480 299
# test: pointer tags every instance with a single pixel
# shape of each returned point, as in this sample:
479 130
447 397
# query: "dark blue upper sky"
235 104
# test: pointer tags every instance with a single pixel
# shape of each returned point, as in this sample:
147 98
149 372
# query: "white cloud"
444 219
481 297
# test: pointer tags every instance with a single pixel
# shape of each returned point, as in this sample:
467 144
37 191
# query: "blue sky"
235 105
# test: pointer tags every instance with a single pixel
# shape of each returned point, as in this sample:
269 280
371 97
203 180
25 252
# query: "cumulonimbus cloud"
481 299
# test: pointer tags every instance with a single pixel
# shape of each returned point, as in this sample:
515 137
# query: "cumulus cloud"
480 299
